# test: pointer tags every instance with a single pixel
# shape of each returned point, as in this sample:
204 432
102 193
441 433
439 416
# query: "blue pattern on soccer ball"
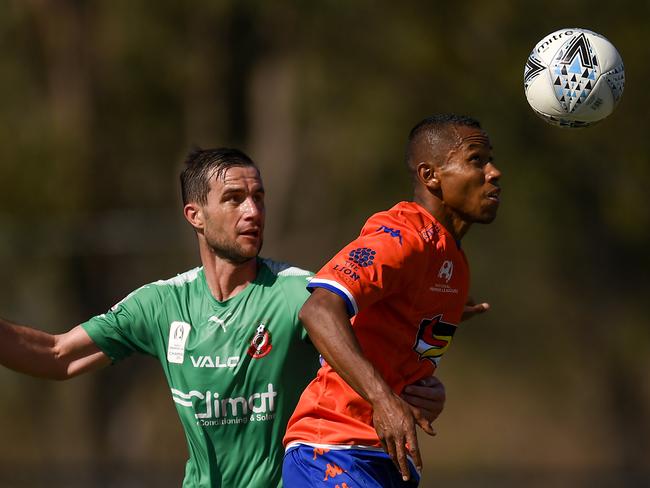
616 81
363 256
575 68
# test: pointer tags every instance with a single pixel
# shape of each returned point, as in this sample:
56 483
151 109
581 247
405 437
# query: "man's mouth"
494 195
253 232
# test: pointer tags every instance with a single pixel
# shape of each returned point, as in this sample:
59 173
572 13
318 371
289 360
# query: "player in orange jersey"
404 281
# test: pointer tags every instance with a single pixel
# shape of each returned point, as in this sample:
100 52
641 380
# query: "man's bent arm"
325 317
427 400
57 357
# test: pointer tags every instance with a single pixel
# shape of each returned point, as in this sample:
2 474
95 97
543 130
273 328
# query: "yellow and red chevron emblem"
433 338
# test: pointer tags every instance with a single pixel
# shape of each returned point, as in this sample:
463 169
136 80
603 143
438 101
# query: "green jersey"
235 368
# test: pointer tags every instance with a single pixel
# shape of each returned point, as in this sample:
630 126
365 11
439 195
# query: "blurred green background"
100 101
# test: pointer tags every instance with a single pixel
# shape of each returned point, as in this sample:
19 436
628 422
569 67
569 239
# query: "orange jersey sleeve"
384 259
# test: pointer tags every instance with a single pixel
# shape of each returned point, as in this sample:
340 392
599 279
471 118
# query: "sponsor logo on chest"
215 361
212 409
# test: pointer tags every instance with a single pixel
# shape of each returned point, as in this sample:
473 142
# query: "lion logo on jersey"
433 339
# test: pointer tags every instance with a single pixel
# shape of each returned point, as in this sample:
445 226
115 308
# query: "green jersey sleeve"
294 284
297 294
128 326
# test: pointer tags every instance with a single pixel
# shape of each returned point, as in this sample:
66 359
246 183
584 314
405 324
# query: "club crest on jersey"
433 339
446 270
260 344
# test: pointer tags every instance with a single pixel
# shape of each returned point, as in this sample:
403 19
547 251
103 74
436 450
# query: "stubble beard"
481 216
233 253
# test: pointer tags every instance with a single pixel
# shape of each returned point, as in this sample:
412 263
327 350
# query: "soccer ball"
574 78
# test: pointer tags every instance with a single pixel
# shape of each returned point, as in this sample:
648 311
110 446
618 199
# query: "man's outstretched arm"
325 317
57 357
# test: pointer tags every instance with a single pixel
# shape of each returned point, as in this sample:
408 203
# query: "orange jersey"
405 282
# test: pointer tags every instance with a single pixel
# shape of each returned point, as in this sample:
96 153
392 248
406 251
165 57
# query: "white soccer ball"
574 78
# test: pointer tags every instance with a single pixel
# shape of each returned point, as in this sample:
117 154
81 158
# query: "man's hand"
395 426
472 308
426 399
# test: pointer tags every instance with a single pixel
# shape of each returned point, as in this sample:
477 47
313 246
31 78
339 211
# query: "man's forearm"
57 357
330 331
25 349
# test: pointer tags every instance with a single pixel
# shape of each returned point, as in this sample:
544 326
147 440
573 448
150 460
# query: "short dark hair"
202 164
433 128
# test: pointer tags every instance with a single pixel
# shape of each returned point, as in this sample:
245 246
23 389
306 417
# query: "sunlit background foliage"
100 101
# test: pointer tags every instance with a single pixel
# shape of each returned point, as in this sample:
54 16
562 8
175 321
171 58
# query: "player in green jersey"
235 366
227 334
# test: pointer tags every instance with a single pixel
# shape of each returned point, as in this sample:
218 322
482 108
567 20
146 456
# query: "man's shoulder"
408 215
180 283
285 271
181 280
158 290
405 222
290 281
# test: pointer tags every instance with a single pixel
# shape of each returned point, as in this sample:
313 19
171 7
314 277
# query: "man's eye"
232 198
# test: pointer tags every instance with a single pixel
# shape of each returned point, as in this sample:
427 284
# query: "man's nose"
492 172
252 208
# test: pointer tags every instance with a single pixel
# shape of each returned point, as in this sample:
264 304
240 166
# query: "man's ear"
194 215
428 176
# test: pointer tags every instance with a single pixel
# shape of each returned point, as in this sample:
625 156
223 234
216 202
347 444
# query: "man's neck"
226 279
454 224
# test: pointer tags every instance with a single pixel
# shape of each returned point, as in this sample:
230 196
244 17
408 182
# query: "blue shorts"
312 467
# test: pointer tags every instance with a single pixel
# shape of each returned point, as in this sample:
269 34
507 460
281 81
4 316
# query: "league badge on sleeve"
178 334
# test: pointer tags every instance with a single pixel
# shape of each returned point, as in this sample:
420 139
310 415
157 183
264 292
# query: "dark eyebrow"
241 189
232 189
477 152
477 145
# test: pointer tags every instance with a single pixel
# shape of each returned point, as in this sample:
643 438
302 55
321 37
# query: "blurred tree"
101 100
